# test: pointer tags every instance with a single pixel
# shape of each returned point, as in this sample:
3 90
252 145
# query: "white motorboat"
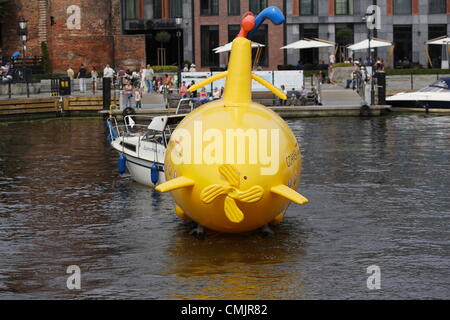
142 148
434 96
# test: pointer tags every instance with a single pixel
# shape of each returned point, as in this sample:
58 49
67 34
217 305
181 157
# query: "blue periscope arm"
272 13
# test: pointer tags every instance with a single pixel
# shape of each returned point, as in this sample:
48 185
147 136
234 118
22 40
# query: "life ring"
129 111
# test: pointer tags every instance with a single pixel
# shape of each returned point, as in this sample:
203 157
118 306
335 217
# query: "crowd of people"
6 73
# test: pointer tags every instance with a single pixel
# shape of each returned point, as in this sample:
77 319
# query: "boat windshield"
442 84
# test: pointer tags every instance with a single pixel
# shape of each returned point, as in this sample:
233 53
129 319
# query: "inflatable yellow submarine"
233 165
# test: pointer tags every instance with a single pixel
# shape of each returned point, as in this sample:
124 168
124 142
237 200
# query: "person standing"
332 59
138 98
82 78
281 101
148 75
94 77
128 90
71 76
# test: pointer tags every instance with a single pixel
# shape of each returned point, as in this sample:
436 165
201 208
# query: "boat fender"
154 173
128 111
121 164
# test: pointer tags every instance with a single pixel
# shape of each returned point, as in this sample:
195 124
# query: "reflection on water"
378 191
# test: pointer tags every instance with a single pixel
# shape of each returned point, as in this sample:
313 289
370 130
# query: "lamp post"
23 36
23 33
179 21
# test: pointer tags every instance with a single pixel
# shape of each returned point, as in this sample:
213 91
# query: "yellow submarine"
233 165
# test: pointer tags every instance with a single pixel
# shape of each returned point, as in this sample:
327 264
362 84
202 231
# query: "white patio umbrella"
374 43
227 47
444 41
308 44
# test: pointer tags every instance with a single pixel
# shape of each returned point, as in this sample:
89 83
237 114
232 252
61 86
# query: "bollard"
9 90
412 81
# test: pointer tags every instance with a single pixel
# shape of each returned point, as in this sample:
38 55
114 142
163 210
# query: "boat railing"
132 129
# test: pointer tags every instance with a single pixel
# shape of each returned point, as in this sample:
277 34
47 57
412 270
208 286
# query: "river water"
378 191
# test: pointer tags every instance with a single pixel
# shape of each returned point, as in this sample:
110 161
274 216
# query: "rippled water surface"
378 191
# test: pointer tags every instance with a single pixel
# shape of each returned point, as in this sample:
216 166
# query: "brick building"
76 31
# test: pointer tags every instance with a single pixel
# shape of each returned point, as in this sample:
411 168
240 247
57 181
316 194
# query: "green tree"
162 37
46 66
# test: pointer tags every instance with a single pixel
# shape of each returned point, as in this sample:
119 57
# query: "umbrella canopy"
374 43
16 54
308 44
227 47
442 41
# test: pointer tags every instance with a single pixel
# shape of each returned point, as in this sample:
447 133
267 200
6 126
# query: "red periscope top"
247 25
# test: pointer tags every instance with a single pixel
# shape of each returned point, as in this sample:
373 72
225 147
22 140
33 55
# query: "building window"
256 6
176 8
344 7
309 56
437 6
261 36
209 41
233 31
436 52
234 7
209 7
403 43
157 9
402 7
308 7
131 8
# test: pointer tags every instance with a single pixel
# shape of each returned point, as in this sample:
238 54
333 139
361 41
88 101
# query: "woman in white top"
94 77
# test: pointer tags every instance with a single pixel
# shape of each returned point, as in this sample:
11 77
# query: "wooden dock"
21 109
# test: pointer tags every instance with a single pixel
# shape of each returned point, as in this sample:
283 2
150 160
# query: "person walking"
94 77
71 76
82 78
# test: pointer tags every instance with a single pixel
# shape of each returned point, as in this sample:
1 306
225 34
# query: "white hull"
140 171
436 96
140 161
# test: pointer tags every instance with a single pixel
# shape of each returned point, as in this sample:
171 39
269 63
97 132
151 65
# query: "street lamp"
179 21
23 33
23 36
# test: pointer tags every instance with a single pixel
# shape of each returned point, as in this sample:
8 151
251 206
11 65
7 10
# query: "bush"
400 72
337 65
165 68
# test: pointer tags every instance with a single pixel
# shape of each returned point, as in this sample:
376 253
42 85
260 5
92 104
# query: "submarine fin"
210 193
290 194
230 173
207 81
180 212
251 195
269 86
234 214
174 184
